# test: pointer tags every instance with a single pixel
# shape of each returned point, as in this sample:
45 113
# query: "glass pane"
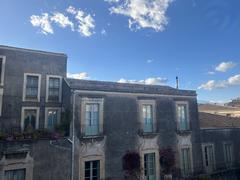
30 119
149 166
148 118
92 170
182 117
18 174
92 119
52 118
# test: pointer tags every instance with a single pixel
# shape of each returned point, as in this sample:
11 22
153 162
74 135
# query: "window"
92 119
30 117
209 159
149 166
147 115
228 153
1 100
2 69
54 88
92 167
52 117
186 161
16 174
31 90
92 116
92 170
182 116
147 112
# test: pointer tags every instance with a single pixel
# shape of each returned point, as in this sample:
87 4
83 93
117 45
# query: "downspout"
73 135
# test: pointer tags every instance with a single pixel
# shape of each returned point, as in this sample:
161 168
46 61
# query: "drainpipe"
73 135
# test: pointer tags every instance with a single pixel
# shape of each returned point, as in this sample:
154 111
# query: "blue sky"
140 41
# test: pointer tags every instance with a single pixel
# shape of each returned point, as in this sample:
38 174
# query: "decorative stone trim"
25 84
47 87
37 116
92 158
100 102
140 114
13 164
157 164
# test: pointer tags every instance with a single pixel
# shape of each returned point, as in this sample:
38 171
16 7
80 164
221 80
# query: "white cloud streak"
143 13
81 75
212 84
225 66
43 22
62 20
86 23
81 21
148 81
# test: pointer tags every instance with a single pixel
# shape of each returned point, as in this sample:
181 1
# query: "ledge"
99 137
184 132
148 134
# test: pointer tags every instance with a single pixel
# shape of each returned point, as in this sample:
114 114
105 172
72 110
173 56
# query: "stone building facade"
109 120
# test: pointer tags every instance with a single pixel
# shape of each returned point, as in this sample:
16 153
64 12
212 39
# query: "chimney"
177 82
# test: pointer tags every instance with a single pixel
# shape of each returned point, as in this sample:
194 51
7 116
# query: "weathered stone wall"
121 129
51 158
218 137
18 62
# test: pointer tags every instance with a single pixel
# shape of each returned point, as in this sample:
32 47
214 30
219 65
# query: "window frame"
157 163
228 164
1 100
208 169
84 102
99 158
15 164
191 160
141 118
177 103
46 116
25 87
3 70
23 115
47 88
15 170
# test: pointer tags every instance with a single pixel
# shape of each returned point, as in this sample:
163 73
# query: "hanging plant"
131 164
167 160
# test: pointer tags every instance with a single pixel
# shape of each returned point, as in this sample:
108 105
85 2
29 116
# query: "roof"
214 107
126 87
31 50
208 120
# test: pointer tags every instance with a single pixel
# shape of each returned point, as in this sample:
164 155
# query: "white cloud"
104 32
211 72
42 21
82 22
149 60
62 20
71 10
86 23
225 66
144 13
111 1
212 84
234 80
81 75
148 81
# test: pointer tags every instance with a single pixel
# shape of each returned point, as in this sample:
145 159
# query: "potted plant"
167 162
131 165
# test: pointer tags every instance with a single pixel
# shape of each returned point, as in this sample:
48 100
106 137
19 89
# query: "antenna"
177 82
